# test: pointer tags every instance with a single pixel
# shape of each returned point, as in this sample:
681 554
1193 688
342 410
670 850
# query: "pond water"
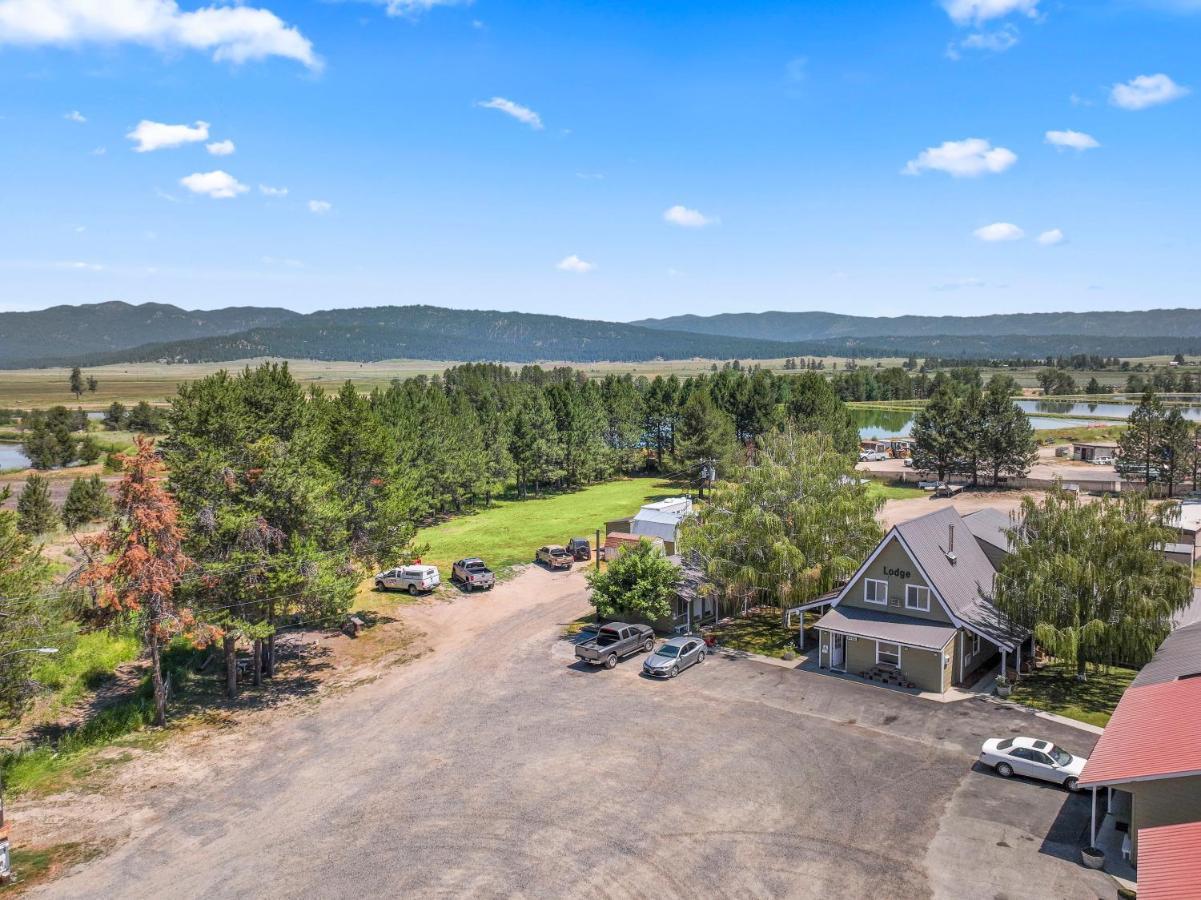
11 457
1106 408
877 424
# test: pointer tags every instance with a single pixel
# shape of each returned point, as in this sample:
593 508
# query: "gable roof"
889 627
1179 656
1154 733
958 582
990 526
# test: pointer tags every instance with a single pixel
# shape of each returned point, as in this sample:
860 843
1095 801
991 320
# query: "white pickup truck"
414 579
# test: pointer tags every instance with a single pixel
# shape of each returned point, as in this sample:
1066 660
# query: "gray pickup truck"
615 641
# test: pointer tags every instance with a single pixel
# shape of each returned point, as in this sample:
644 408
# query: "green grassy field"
511 530
894 491
1056 690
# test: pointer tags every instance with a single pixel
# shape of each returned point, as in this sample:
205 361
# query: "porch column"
1004 660
1092 830
1018 675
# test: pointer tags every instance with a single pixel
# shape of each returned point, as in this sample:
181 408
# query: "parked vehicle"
580 549
615 641
554 557
1034 759
674 656
472 574
872 456
414 579
946 489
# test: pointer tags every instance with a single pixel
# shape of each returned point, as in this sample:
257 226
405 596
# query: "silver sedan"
674 656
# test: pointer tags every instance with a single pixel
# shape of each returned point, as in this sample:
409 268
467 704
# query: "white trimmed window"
888 653
975 645
875 591
917 597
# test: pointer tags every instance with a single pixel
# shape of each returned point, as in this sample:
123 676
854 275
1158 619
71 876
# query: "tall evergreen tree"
1005 441
938 434
75 382
1140 446
1177 448
706 439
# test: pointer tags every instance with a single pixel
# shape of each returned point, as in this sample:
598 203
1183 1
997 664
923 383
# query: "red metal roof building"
1155 732
1170 862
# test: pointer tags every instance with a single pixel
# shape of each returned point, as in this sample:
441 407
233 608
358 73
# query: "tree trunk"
258 662
1081 670
160 693
229 645
269 662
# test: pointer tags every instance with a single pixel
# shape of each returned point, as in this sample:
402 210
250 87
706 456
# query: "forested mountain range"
818 326
67 332
119 333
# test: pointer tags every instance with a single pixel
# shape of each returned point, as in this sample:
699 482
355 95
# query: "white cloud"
986 41
962 159
221 148
268 191
158 136
999 231
574 264
99 151
1052 237
969 12
688 218
282 261
320 207
516 110
233 33
1072 140
412 8
80 266
218 185
1146 90
75 116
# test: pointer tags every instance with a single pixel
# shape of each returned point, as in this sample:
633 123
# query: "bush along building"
915 614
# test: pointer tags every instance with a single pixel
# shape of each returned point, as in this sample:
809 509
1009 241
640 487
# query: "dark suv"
580 549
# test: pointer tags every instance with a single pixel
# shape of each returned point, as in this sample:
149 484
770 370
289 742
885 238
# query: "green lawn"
511 530
894 491
759 632
1056 690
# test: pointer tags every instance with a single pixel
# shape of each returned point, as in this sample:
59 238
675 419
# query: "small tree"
641 582
1177 448
35 510
1140 446
1005 442
938 433
115 416
87 501
92 384
1090 579
137 562
75 382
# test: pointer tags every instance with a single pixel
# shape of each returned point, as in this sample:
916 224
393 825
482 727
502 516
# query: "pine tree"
1005 442
706 439
75 382
35 510
138 560
1177 449
87 501
938 433
1140 446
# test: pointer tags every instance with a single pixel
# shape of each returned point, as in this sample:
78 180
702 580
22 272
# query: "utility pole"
598 549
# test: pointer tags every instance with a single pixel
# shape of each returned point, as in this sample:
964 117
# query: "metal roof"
1169 862
662 518
1191 614
963 578
1179 655
991 526
1190 516
1154 733
882 626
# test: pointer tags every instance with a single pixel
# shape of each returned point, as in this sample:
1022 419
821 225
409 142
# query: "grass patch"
31 865
509 532
1054 689
87 664
757 632
1080 433
895 491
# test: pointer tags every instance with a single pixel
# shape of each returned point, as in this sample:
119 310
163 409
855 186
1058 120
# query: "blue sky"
602 159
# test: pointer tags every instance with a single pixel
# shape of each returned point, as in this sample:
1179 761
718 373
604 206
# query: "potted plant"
1003 686
1092 857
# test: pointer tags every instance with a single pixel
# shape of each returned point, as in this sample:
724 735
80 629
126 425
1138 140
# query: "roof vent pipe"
951 543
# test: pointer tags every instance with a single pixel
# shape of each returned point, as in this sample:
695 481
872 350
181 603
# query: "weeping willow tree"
787 527
1090 579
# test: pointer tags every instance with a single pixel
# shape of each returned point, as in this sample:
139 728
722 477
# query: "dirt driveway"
495 765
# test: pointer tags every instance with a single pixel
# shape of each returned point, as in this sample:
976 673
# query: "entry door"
838 651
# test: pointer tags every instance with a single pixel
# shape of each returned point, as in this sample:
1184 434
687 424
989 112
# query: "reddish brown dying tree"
138 560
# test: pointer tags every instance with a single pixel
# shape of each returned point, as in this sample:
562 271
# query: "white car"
1034 759
409 578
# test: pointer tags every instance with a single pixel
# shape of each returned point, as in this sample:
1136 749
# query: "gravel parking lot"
496 765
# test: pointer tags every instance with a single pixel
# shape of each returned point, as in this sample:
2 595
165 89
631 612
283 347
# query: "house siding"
1168 801
888 566
923 668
